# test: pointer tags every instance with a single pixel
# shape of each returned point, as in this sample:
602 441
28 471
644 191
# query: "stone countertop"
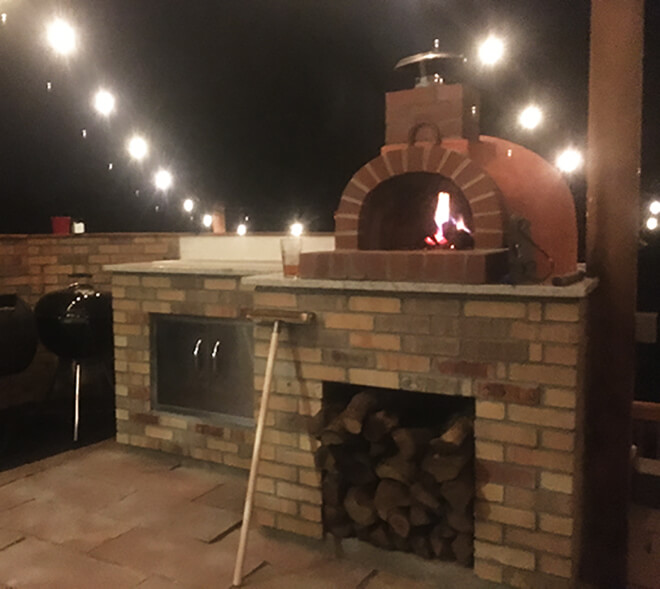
203 267
278 281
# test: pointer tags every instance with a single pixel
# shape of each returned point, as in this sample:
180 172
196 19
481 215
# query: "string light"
188 205
241 229
163 180
3 17
137 147
49 86
296 229
491 50
651 223
61 37
83 132
654 207
569 160
104 102
531 117
207 220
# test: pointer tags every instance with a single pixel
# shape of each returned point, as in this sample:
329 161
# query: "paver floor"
117 517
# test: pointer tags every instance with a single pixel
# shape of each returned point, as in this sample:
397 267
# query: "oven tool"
277 317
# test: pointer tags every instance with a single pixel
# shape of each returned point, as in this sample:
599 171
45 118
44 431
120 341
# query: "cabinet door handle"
214 355
195 353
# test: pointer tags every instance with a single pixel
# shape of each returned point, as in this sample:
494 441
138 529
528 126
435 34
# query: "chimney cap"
426 56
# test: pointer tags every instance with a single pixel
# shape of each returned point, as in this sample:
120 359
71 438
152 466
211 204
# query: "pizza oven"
442 203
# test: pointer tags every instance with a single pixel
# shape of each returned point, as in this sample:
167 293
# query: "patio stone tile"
323 574
184 482
16 493
57 484
33 564
176 557
62 523
383 580
9 537
230 495
111 461
158 582
167 512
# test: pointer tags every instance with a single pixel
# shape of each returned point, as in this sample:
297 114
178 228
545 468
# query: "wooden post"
614 145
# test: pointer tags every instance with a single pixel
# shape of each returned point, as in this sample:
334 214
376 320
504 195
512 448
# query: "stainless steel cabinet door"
203 365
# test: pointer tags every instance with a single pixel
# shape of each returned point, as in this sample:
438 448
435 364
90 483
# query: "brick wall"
32 265
522 360
135 297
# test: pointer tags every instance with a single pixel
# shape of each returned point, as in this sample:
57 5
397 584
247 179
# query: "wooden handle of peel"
254 466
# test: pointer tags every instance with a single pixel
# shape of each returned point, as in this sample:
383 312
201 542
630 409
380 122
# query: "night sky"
265 106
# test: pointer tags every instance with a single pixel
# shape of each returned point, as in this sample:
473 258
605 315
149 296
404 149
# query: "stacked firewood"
397 486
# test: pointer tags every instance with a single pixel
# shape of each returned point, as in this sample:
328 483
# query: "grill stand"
76 403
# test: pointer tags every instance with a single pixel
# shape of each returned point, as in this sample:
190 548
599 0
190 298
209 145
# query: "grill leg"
76 407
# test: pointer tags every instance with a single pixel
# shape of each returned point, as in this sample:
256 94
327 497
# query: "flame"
443 215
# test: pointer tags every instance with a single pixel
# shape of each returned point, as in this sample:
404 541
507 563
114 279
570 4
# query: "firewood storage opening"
398 469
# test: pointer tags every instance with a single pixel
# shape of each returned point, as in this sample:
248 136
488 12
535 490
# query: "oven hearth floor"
111 516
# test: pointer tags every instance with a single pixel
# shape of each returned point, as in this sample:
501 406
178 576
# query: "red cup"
61 225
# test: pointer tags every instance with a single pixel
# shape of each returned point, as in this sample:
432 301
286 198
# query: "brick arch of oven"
480 191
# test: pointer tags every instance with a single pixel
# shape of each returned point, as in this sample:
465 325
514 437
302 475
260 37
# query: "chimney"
433 107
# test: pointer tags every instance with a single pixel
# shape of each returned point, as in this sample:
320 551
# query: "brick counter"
519 355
